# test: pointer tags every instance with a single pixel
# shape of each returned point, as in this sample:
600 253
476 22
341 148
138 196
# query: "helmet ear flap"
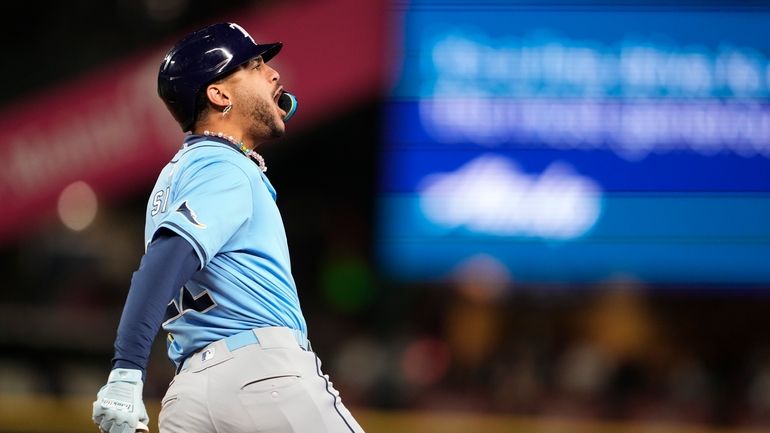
201 107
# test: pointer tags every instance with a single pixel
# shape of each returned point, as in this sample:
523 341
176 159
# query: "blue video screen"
577 142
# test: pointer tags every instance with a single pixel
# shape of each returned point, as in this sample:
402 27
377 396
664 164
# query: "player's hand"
119 407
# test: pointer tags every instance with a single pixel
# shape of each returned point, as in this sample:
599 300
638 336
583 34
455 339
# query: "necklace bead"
246 151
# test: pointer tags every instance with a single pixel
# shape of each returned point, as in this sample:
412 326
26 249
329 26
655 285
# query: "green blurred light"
347 284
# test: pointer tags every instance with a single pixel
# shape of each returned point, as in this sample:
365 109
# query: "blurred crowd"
615 352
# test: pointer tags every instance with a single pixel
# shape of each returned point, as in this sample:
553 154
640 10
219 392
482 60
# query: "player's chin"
278 128
277 133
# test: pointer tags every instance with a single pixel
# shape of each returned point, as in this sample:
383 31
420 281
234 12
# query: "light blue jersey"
219 200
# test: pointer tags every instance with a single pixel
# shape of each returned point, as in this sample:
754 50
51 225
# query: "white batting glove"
119 407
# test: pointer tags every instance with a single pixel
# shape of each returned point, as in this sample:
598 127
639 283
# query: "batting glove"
119 407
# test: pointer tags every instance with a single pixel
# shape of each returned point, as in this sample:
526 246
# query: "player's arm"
170 261
168 264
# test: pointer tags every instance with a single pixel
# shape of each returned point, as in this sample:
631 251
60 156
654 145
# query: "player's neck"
227 131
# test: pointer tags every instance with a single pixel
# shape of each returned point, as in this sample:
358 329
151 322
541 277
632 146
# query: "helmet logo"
242 30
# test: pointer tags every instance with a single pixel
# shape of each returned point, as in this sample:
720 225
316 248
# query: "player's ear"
218 95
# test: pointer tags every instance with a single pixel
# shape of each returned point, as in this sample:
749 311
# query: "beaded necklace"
246 151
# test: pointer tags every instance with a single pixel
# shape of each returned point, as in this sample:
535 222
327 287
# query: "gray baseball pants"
272 386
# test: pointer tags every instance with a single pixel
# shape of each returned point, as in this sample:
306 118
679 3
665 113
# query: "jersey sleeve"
168 264
208 205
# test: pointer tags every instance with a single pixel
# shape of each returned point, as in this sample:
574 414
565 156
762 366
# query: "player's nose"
274 75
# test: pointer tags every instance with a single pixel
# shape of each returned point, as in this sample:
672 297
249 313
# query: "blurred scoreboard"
574 142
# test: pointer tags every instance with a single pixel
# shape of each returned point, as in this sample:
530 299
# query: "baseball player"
216 273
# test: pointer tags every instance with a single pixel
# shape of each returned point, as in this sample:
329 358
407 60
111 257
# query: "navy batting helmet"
200 59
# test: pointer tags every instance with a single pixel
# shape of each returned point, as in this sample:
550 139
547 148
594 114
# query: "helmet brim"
268 51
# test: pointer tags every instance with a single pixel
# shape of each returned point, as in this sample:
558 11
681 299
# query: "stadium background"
508 340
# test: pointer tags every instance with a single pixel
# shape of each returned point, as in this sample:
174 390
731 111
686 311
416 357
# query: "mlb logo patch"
207 355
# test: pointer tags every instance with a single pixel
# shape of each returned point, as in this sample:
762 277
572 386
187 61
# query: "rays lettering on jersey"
187 302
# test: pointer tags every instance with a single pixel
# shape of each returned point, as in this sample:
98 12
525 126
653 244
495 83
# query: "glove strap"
125 375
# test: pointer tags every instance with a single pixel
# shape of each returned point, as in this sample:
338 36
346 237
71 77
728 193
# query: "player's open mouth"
276 97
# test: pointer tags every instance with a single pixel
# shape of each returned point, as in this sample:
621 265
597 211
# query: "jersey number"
187 302
160 201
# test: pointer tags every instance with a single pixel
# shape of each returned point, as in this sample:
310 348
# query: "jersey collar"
193 139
